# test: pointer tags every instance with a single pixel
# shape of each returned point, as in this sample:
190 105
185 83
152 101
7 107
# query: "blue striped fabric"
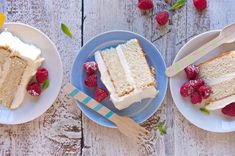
86 100
74 92
109 114
97 107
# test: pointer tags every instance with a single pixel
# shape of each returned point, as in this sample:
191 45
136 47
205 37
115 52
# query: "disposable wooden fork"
227 35
126 125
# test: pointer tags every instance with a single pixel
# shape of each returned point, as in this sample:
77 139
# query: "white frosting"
124 101
27 51
125 65
221 103
222 78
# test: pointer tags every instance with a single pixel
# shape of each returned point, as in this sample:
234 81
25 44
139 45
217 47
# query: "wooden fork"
227 35
126 125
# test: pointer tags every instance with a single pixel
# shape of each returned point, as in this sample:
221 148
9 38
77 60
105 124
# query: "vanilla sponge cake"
126 74
18 63
219 74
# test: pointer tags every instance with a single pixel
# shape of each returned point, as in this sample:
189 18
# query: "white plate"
214 122
34 107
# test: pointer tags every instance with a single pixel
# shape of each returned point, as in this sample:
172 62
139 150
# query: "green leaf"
178 5
45 84
66 30
204 111
161 127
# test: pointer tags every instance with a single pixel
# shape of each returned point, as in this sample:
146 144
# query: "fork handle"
90 102
194 56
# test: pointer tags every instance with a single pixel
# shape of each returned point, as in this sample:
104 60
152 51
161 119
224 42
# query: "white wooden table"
63 129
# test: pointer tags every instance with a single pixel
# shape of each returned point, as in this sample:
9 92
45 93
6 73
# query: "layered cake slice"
126 74
18 64
219 74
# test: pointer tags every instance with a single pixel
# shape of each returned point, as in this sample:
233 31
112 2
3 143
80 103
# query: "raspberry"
196 84
196 98
229 109
90 67
186 89
162 17
200 5
204 91
145 4
100 94
191 72
41 75
91 81
34 89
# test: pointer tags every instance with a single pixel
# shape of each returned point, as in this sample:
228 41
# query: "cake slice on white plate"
18 64
219 74
126 74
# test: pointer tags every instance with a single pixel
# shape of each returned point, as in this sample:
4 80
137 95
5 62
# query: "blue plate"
139 111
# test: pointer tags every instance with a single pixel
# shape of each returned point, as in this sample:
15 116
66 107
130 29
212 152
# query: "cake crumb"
153 70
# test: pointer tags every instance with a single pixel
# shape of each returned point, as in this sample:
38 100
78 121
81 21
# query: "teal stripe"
98 107
74 92
86 100
109 114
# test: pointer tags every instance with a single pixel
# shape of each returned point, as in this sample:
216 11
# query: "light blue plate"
140 111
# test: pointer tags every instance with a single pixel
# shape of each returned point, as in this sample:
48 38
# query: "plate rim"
172 91
60 65
121 31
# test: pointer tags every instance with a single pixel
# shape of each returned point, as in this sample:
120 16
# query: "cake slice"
18 63
126 74
219 74
116 72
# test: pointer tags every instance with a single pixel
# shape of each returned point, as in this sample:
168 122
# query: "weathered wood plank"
58 131
190 140
109 15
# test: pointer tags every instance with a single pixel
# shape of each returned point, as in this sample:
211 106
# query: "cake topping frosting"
27 51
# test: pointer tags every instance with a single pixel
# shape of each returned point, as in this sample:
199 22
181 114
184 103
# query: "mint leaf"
178 5
66 30
161 127
204 111
45 84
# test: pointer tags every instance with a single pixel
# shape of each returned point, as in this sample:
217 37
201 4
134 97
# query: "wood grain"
58 131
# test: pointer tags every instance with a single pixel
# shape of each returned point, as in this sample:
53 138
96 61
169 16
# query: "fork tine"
143 130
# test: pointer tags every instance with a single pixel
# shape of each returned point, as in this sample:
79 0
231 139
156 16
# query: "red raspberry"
90 67
229 109
100 94
162 17
41 75
200 5
196 84
191 71
186 89
145 4
196 98
204 91
34 89
91 81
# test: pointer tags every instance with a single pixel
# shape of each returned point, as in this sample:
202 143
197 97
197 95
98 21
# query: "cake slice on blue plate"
126 74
